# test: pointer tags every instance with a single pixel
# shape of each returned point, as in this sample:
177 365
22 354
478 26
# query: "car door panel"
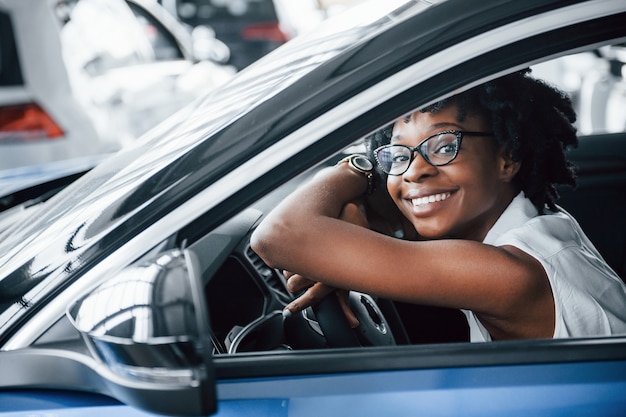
562 389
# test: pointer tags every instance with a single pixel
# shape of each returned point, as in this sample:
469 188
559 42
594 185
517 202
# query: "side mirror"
148 327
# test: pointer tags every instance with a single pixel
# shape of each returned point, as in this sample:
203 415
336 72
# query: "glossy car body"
106 287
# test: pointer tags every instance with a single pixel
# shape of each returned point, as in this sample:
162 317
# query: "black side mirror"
148 327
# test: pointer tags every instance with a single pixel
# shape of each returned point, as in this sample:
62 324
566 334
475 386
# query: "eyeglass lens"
438 149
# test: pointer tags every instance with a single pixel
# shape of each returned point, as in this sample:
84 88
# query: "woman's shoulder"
541 235
547 234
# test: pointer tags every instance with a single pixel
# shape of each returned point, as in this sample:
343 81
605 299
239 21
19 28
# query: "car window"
10 71
244 275
248 259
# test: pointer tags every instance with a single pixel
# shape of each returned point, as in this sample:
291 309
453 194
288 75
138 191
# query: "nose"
418 169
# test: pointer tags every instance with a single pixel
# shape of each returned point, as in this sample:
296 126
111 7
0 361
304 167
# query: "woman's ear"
508 167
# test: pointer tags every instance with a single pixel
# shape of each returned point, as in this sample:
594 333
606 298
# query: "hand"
314 292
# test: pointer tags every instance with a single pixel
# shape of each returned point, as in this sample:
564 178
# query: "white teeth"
429 199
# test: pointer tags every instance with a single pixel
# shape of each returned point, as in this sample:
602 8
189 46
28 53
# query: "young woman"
473 179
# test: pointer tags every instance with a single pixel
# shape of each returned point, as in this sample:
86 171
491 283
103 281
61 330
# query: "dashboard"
245 297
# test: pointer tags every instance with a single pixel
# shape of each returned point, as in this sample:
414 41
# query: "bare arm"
507 288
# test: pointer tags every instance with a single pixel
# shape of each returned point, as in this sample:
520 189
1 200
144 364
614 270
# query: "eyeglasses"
438 149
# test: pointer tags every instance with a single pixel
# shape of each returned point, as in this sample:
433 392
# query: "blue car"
133 291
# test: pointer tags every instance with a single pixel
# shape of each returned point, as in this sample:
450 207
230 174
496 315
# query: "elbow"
263 244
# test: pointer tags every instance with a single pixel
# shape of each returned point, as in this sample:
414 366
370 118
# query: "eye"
442 145
398 156
393 156
445 149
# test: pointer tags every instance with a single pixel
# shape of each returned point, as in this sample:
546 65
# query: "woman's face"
469 193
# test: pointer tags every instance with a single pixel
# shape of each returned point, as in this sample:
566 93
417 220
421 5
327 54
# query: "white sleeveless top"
589 297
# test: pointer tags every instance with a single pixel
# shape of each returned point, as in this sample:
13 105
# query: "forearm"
302 216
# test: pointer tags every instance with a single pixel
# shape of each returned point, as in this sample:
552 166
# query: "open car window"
243 279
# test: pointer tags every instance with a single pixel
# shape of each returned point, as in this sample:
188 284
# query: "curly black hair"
532 121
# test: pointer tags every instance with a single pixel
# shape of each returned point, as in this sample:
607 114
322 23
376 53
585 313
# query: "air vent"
275 283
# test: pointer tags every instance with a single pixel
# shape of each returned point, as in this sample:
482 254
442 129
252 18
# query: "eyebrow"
443 126
447 125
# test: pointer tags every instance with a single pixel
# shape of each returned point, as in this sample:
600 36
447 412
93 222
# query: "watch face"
362 163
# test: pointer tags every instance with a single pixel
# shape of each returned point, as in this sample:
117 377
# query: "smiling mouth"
422 201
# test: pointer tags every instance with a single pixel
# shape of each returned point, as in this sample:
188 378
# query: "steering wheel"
325 325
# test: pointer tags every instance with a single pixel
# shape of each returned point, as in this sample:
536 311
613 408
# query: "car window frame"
553 43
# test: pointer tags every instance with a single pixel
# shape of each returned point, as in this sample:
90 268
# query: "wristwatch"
362 165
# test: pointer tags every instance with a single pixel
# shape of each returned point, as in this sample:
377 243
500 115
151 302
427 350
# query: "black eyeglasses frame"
459 137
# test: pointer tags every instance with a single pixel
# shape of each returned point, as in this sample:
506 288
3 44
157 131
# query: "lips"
433 198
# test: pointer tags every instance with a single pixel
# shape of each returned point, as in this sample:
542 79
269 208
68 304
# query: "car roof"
282 92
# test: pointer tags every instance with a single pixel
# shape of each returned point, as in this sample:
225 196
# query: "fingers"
315 292
344 302
296 282
310 297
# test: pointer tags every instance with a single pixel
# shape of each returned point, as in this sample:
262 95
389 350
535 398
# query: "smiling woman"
473 178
